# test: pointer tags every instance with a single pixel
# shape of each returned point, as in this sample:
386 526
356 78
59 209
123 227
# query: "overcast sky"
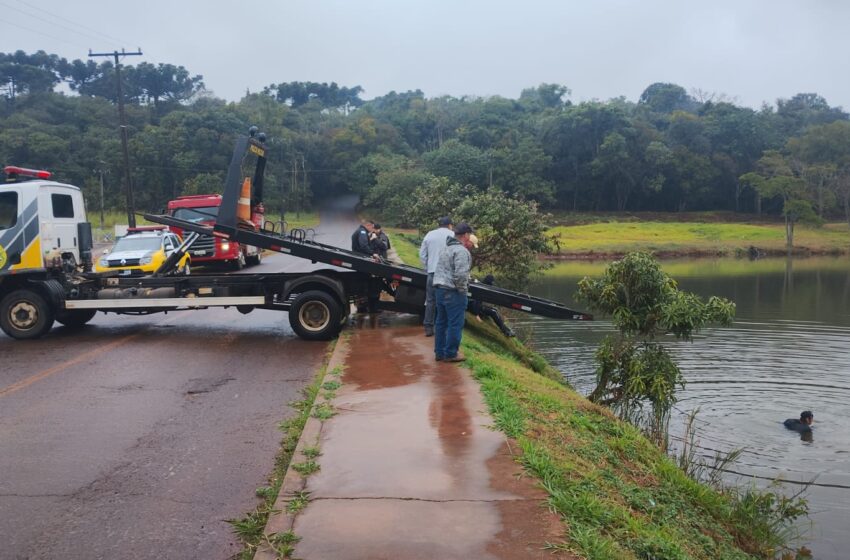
751 51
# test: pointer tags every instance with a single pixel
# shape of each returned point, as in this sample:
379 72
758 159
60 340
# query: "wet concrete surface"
411 467
139 437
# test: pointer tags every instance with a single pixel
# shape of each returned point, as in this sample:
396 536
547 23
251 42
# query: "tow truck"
46 266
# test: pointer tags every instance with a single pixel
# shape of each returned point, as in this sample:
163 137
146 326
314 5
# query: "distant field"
695 237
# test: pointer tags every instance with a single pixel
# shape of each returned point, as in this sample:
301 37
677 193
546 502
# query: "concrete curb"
280 520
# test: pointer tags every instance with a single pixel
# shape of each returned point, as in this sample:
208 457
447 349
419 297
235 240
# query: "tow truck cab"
42 223
203 209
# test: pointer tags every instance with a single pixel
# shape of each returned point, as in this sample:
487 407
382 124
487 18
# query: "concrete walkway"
410 466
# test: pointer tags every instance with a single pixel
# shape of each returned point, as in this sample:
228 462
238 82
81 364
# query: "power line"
37 18
31 30
55 16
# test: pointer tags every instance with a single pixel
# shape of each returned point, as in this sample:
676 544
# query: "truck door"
61 211
11 229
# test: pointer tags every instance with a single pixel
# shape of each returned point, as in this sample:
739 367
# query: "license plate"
126 272
199 253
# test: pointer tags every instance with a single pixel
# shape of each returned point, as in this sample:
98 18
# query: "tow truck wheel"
24 314
255 259
315 315
75 317
239 262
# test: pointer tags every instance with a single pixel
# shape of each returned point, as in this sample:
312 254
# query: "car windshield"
137 244
200 214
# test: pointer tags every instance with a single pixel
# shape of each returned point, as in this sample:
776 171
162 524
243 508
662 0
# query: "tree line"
670 150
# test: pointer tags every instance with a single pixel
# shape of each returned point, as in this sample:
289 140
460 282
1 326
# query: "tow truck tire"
75 317
254 260
315 315
24 314
239 261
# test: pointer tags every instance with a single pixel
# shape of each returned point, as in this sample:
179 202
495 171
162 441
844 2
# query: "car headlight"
104 261
225 246
146 260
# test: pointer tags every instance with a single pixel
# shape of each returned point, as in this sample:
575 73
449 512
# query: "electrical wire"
18 25
39 19
102 35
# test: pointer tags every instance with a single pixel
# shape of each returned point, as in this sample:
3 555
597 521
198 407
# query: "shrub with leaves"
634 369
511 232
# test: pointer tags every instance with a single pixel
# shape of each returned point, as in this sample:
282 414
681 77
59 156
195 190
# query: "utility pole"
101 195
128 185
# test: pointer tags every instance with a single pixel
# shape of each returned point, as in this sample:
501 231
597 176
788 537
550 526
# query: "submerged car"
142 251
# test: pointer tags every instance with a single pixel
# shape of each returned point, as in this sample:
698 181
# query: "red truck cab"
203 209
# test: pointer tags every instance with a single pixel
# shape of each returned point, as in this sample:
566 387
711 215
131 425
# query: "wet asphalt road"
139 437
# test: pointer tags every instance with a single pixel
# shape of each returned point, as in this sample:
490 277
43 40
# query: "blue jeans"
448 328
430 304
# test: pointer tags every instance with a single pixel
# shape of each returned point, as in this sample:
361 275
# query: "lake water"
788 351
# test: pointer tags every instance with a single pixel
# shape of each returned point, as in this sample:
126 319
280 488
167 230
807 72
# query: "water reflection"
788 350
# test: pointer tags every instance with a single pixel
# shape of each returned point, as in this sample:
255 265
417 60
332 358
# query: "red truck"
203 209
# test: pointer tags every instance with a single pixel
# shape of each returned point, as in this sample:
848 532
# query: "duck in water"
803 425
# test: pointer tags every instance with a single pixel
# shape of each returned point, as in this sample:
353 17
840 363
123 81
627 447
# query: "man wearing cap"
451 281
429 253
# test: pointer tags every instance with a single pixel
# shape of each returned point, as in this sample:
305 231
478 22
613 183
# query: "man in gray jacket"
429 253
451 281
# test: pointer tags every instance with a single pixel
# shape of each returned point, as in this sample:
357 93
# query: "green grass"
720 238
284 543
298 503
303 220
306 468
323 412
406 244
619 496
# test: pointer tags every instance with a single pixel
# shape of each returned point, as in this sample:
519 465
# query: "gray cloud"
754 51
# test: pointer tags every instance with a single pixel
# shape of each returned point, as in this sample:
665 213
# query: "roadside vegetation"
250 527
619 495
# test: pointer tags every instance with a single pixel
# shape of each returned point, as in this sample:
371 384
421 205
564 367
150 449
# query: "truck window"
200 214
8 209
63 205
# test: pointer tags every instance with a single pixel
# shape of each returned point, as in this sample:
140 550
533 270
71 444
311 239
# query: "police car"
142 251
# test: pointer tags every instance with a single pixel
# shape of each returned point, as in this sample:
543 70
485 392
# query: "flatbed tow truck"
43 281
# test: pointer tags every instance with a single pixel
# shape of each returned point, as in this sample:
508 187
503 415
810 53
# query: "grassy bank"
695 238
619 496
405 243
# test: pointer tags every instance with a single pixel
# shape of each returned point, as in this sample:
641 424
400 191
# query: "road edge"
282 517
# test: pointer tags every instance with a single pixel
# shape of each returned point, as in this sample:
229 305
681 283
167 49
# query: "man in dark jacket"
451 281
360 239
379 242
